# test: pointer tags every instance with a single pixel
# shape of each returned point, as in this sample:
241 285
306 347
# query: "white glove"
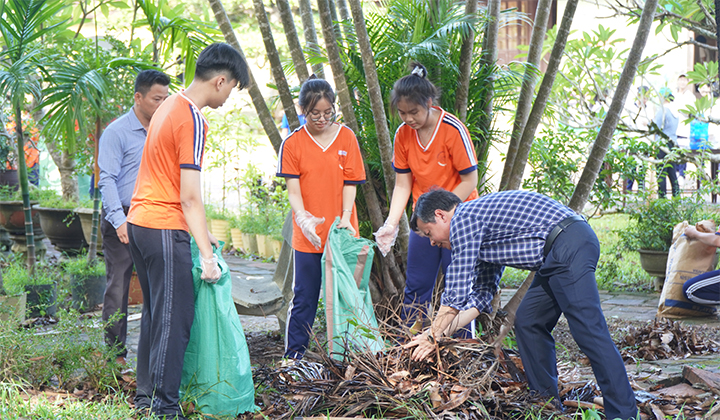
385 237
307 223
210 269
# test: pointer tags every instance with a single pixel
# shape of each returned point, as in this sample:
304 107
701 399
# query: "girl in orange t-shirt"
322 165
432 149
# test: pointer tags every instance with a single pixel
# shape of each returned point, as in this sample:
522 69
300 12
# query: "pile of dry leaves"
665 339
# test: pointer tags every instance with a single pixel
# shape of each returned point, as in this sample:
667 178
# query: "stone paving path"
629 306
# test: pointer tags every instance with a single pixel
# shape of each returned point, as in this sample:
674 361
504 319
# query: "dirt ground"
266 348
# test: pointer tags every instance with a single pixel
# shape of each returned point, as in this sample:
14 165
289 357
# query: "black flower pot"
41 300
87 291
63 228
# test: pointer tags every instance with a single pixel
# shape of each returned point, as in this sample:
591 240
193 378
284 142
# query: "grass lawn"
618 269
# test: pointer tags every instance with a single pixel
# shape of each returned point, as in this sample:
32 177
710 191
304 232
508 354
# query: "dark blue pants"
307 280
423 264
119 267
565 284
704 289
164 266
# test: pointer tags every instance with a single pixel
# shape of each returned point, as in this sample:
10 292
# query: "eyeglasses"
316 115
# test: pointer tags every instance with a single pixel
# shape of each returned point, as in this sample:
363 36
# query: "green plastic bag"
346 265
216 373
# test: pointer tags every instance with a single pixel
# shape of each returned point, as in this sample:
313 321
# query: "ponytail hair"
414 88
312 91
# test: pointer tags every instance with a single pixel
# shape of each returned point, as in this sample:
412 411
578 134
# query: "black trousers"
667 171
119 266
565 284
164 266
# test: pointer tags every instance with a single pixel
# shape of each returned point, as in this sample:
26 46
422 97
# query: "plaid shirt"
496 230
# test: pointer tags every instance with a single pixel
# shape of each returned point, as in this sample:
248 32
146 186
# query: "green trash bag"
351 322
216 373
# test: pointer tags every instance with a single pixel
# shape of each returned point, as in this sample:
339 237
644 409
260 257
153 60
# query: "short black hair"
220 57
312 91
414 88
435 199
147 78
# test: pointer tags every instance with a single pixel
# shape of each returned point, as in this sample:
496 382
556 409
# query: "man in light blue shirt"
121 148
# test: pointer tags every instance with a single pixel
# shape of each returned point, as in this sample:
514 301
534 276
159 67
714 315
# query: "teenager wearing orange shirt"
432 149
322 165
166 203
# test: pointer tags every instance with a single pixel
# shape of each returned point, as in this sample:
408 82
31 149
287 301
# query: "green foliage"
554 158
266 206
79 266
16 277
75 353
652 223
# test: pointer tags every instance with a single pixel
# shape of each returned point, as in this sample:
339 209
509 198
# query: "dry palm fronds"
470 382
664 339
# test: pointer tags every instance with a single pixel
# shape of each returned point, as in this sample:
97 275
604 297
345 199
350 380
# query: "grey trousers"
565 284
119 266
164 266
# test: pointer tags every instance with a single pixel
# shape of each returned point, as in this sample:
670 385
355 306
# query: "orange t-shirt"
449 153
322 174
175 140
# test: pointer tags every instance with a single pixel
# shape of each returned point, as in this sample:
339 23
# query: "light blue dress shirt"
121 149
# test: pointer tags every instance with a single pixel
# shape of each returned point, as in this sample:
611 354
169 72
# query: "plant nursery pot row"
254 243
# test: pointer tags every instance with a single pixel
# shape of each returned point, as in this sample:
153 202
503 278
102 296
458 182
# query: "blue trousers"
423 264
704 289
307 280
565 284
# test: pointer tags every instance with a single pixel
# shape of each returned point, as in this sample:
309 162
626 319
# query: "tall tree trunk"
310 34
528 86
276 66
378 109
24 189
66 166
336 22
266 118
347 24
296 52
542 97
466 58
489 56
92 249
604 137
374 210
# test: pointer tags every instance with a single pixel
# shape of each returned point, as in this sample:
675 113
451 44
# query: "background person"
705 288
432 148
667 120
529 231
322 165
166 203
121 147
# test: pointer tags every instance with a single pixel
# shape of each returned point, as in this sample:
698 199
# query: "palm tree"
266 118
538 109
23 23
275 65
312 47
604 137
296 51
527 89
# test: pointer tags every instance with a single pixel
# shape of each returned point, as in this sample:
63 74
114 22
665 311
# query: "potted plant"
250 227
39 287
87 281
236 234
219 223
12 305
61 224
86 220
12 218
650 231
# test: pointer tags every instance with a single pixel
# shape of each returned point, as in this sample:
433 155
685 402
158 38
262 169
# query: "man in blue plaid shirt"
529 231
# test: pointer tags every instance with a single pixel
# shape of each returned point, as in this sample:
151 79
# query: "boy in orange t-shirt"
166 203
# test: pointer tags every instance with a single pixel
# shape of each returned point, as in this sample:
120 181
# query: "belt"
559 228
